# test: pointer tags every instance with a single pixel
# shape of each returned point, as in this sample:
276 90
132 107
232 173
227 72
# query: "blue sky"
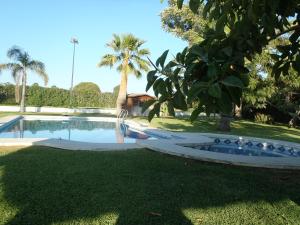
44 29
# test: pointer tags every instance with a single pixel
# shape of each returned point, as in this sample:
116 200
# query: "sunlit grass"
239 127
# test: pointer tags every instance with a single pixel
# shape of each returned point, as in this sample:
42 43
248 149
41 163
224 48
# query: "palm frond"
129 42
115 44
16 71
140 43
108 60
143 52
133 70
120 68
7 66
142 63
127 47
15 53
39 68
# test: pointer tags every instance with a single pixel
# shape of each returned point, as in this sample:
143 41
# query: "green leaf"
227 51
171 108
194 5
215 90
183 55
196 113
171 64
180 3
285 68
155 86
162 88
275 57
207 8
225 103
147 104
151 78
235 94
245 79
212 71
296 64
161 60
241 69
151 114
294 37
233 81
155 110
221 23
196 89
162 98
179 100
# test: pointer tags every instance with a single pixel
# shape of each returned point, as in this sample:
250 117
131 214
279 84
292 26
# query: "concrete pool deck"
171 143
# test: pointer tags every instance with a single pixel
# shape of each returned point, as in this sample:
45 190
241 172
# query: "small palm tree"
19 69
128 59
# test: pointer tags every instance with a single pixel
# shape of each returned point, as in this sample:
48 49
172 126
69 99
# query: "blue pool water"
250 148
75 130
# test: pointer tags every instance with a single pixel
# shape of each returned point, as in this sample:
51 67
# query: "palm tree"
128 59
22 63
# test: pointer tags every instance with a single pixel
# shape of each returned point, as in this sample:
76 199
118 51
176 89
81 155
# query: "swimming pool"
80 129
248 147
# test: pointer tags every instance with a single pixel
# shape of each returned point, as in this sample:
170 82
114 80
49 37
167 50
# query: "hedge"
83 95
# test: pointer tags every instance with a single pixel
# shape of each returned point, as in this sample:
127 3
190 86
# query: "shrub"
263 118
85 95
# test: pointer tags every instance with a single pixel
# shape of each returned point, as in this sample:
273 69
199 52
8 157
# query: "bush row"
84 95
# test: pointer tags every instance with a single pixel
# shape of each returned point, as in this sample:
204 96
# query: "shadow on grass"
142 187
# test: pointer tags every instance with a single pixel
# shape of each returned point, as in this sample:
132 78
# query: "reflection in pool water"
76 130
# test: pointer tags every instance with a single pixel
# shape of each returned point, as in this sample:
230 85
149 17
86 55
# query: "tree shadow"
142 187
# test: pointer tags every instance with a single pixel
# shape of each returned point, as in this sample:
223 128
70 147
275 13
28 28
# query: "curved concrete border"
175 147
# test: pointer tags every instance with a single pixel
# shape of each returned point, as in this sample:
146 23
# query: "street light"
74 41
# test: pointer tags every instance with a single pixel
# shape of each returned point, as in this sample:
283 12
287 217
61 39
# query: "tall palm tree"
128 58
23 63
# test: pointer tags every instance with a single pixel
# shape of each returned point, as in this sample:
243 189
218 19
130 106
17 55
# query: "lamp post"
74 41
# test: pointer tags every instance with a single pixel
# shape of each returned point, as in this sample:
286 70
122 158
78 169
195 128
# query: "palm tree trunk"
17 93
122 96
24 78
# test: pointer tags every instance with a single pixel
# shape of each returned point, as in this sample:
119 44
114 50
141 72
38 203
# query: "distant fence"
57 110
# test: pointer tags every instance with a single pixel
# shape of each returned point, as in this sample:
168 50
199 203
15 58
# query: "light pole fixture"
74 41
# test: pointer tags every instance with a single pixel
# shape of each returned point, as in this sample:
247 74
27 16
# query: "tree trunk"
238 111
122 96
22 106
224 124
17 92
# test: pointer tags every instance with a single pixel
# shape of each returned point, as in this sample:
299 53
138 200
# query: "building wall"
134 105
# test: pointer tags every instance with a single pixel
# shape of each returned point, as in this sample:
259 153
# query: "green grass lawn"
40 185
239 127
